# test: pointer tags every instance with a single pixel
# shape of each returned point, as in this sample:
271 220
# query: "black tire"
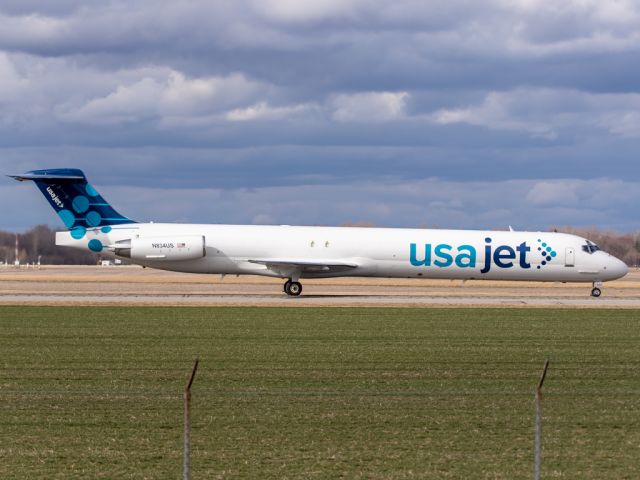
596 292
295 289
287 284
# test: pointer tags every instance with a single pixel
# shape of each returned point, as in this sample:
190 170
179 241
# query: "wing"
287 266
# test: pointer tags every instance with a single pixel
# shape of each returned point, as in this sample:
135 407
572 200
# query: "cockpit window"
590 247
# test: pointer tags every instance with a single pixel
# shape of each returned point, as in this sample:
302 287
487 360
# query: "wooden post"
187 423
537 448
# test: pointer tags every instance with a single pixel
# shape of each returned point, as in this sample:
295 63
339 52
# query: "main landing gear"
292 289
596 291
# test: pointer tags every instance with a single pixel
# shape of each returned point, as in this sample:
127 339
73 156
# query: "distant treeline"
40 242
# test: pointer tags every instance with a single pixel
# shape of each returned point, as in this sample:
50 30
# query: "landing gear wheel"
596 292
295 289
287 284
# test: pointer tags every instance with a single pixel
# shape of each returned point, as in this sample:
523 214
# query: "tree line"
38 243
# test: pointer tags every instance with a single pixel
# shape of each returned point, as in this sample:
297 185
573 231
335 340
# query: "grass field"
96 392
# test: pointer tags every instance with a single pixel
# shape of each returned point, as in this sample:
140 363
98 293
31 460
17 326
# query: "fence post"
537 448
187 423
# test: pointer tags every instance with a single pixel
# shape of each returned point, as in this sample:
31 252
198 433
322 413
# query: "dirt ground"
135 285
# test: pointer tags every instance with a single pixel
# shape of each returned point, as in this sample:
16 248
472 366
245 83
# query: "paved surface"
137 286
317 300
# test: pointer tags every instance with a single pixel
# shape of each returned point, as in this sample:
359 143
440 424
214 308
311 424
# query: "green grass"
96 392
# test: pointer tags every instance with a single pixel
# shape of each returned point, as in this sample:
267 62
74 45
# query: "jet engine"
184 247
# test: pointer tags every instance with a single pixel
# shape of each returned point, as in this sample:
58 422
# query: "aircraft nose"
616 268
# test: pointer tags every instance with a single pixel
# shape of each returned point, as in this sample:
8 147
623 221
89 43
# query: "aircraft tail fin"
76 202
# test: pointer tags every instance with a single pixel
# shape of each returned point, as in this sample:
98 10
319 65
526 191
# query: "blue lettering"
445 258
523 249
487 256
466 260
502 256
499 256
413 256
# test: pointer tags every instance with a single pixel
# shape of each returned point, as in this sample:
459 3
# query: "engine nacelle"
170 248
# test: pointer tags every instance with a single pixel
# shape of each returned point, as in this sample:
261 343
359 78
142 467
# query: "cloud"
369 106
517 110
324 29
167 93
549 194
12 83
292 11
545 113
430 202
624 123
331 99
263 111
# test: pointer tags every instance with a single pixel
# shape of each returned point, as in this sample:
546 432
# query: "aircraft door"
570 257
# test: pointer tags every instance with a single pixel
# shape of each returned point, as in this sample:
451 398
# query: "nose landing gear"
596 291
293 289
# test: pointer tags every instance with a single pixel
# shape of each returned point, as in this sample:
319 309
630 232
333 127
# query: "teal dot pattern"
95 245
77 202
78 232
93 219
546 252
92 192
80 204
67 218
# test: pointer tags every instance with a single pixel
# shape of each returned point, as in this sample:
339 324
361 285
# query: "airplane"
297 252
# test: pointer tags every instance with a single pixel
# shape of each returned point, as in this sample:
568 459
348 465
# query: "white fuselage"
370 252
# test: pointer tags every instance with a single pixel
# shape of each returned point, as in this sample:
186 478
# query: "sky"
413 113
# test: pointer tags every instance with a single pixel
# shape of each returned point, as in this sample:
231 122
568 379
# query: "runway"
132 285
316 300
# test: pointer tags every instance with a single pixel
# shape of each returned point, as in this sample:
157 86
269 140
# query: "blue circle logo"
80 204
67 218
92 192
95 245
93 219
78 232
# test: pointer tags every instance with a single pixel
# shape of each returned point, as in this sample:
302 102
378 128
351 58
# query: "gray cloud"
329 99
523 204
